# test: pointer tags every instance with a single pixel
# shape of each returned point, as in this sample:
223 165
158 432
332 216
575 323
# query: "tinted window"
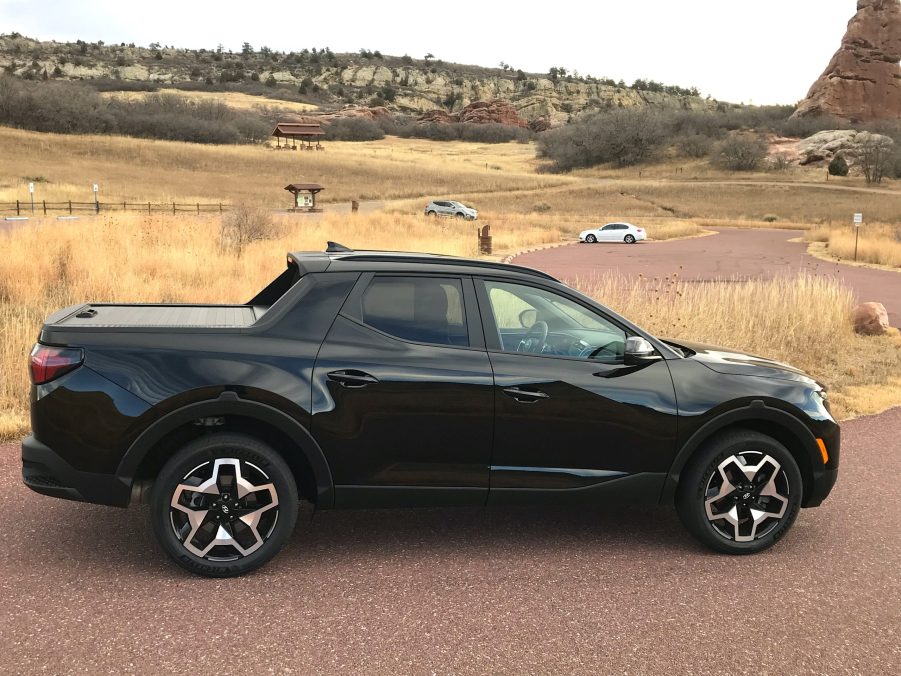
420 309
612 226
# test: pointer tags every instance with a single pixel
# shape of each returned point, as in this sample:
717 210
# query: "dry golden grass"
237 100
804 321
877 243
164 258
140 170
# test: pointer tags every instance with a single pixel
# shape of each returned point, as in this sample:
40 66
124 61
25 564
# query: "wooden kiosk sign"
304 197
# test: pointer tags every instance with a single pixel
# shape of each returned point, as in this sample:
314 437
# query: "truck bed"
153 316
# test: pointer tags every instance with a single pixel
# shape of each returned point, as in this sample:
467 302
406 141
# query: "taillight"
48 363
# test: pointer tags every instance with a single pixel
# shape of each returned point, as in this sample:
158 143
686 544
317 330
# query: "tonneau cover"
175 316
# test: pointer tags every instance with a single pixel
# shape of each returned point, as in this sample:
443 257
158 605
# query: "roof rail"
437 259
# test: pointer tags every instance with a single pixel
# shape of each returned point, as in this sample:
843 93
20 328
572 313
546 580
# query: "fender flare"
228 403
755 411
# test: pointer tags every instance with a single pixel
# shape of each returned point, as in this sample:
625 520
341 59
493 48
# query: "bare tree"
740 152
873 155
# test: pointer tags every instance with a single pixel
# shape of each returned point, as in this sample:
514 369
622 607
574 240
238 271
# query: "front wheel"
629 239
224 505
740 493
459 214
591 239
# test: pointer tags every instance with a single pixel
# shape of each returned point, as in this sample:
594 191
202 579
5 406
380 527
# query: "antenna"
334 247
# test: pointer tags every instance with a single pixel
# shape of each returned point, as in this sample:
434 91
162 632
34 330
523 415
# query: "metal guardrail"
20 208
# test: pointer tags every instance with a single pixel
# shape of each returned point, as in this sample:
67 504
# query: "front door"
572 420
403 402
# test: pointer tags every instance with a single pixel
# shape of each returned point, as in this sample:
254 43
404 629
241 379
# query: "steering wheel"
535 339
602 348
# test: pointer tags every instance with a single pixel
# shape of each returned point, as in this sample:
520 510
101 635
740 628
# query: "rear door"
403 393
572 420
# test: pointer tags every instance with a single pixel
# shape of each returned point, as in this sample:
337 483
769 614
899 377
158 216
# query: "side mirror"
528 317
639 350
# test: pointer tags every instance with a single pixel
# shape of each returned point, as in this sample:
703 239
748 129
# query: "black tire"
591 239
459 214
703 470
272 524
431 213
629 239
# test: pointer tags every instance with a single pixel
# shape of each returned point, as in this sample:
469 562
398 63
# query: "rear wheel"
740 493
431 213
224 505
591 239
629 239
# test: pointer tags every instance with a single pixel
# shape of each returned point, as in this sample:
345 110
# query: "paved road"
85 589
732 253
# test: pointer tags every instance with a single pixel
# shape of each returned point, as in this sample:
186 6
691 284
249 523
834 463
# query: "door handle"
525 396
352 378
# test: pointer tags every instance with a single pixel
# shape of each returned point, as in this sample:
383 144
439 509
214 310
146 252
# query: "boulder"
870 319
824 145
863 80
478 112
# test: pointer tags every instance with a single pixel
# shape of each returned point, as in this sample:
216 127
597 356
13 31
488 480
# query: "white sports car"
614 232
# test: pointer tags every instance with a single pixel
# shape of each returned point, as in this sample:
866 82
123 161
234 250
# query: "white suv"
614 232
449 208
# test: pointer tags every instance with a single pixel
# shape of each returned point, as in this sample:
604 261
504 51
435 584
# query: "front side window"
418 309
533 320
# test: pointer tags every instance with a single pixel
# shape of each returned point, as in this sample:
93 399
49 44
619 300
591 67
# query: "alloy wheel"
746 496
224 509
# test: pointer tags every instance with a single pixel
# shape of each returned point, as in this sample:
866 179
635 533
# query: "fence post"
70 207
220 207
17 208
45 206
148 207
124 208
198 208
173 208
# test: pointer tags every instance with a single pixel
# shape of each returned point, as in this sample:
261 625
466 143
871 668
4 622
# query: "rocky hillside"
862 82
331 80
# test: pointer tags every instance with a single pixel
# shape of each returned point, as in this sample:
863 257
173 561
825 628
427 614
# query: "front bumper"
45 472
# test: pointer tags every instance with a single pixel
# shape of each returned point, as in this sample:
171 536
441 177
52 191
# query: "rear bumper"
45 472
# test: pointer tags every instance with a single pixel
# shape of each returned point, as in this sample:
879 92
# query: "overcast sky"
752 51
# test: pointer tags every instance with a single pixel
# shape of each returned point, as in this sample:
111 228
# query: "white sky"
752 51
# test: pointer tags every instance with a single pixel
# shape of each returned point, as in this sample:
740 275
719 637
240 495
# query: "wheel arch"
757 416
146 456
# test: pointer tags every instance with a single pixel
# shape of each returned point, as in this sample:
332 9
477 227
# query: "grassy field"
237 100
140 170
877 244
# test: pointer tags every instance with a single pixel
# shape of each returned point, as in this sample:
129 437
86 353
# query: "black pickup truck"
380 379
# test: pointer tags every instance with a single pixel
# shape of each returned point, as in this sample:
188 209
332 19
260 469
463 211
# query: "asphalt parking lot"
87 590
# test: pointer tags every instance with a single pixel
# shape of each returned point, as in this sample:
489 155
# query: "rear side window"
419 309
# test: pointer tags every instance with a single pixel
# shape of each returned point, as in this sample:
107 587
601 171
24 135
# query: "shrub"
740 152
779 162
694 145
243 225
770 218
353 129
541 207
625 137
838 166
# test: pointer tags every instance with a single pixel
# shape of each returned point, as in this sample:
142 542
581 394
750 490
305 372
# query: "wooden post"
45 206
198 208
220 207
124 207
148 207
70 207
18 213
173 208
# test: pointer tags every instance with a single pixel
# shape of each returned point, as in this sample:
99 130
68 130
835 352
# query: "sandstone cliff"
863 80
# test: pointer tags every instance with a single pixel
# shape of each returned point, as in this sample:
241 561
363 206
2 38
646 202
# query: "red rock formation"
478 112
863 80
370 113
